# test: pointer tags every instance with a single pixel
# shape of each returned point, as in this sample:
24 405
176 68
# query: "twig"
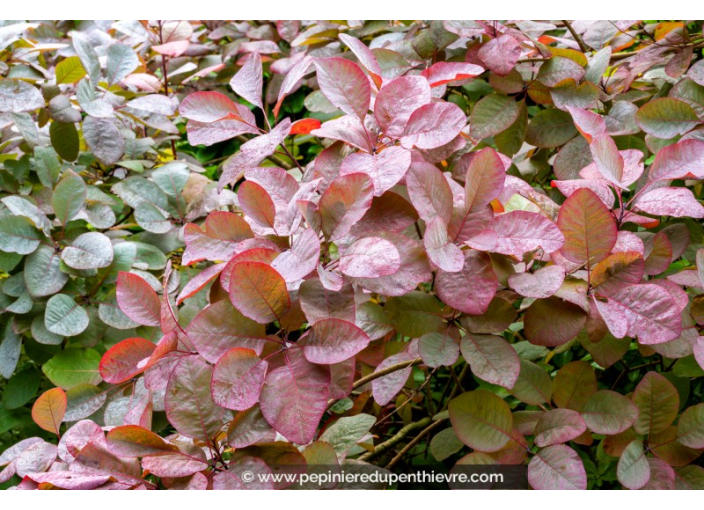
396 438
381 373
576 36
414 442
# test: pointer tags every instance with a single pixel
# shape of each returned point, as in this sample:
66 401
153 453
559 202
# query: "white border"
355 9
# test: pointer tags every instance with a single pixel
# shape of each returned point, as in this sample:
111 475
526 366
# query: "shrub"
385 244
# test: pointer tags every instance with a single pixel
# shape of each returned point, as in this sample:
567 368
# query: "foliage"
229 247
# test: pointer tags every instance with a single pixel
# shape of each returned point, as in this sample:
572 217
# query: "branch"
380 373
397 438
414 442
576 36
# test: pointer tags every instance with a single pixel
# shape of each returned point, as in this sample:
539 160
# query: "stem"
380 373
576 36
395 439
414 442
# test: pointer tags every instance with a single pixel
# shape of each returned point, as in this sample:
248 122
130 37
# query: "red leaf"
304 126
126 359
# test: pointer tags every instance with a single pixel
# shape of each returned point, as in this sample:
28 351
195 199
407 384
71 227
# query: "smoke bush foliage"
236 246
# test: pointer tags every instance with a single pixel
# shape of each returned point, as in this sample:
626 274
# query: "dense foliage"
245 246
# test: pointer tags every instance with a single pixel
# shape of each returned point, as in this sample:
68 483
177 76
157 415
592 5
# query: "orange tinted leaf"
304 126
49 409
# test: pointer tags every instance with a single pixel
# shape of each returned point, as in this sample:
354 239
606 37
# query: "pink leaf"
370 257
126 359
608 160
207 107
397 100
294 397
557 467
501 54
518 232
541 284
333 341
189 407
441 251
301 259
247 83
471 289
677 202
238 377
649 312
223 231
558 426
683 160
429 192
433 125
441 73
485 179
365 57
344 84
138 300
344 203
588 226
385 168
259 292
386 387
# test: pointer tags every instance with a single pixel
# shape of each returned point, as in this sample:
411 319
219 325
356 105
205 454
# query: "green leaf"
21 388
42 273
103 139
72 367
47 165
415 314
666 117
533 386
64 139
68 197
122 60
91 250
492 115
69 70
481 420
63 316
551 128
633 469
657 401
18 235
